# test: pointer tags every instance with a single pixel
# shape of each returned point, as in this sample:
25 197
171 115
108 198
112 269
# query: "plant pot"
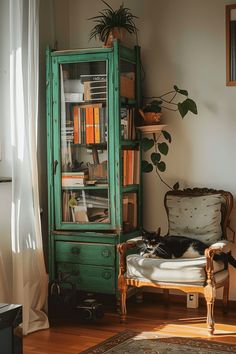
118 33
150 118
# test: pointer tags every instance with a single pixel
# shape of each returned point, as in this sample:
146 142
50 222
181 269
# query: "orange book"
130 170
76 124
124 167
96 125
89 127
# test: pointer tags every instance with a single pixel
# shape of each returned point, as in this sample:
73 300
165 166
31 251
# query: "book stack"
127 123
95 87
90 124
67 133
74 179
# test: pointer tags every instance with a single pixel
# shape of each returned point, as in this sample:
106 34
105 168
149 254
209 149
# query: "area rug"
151 343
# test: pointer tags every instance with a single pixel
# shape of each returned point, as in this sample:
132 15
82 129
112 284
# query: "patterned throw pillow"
196 217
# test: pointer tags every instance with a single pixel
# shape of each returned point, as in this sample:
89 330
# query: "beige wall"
183 43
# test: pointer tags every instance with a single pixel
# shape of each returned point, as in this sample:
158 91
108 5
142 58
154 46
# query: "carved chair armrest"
122 249
221 246
217 247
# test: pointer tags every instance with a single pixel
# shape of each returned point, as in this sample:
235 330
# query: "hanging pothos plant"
161 148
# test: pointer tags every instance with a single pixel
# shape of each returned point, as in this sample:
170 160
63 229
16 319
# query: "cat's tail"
227 258
231 260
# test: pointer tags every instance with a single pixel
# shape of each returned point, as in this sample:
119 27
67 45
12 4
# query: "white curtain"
29 274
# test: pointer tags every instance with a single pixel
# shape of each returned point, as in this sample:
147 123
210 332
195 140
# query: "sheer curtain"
29 274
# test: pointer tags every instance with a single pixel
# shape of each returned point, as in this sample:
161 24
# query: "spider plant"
110 19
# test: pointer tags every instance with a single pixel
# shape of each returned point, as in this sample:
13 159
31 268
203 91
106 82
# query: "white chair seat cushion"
178 270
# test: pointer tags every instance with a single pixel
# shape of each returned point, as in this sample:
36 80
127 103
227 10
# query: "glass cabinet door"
83 139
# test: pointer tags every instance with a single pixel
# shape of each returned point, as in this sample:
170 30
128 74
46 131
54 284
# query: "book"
97 125
95 90
93 77
76 124
89 125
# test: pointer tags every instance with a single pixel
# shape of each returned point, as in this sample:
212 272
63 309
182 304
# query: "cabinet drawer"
89 278
85 253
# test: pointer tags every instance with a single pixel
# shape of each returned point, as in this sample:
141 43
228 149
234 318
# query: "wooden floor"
69 337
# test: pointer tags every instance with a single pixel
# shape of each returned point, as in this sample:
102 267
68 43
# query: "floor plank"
72 337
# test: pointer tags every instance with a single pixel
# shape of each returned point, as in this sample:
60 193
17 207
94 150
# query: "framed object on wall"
231 45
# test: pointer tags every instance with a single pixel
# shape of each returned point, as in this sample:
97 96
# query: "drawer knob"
106 253
106 275
75 250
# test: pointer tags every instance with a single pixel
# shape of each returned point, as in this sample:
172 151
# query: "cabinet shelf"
98 187
130 188
130 143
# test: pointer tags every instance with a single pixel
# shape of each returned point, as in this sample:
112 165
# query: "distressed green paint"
85 253
139 104
89 278
82 51
95 266
116 112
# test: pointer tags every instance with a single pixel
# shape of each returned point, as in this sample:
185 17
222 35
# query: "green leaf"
192 107
163 148
182 92
167 135
146 166
176 88
183 108
176 186
147 144
187 105
155 157
161 166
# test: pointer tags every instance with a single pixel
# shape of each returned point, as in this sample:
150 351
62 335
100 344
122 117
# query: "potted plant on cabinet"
152 111
112 24
151 115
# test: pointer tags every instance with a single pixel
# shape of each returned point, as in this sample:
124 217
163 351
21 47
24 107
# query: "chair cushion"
178 270
195 216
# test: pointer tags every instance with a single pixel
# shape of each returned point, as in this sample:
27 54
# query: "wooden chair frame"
210 286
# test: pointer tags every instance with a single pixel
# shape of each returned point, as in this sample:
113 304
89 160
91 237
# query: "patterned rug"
150 343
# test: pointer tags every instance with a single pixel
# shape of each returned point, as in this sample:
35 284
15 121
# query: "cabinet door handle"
75 250
106 275
106 253
55 163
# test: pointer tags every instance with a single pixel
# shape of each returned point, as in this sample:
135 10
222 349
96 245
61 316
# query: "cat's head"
151 238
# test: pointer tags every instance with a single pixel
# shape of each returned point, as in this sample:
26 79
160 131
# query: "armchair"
197 213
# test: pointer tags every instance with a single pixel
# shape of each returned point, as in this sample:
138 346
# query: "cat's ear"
143 232
158 232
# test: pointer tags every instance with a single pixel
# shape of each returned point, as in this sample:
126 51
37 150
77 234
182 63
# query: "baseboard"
181 299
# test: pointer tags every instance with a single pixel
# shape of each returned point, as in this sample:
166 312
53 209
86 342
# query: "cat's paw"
147 255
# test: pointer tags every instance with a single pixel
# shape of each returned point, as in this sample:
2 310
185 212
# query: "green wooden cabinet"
94 159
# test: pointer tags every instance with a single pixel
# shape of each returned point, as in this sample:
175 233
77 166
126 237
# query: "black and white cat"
156 246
